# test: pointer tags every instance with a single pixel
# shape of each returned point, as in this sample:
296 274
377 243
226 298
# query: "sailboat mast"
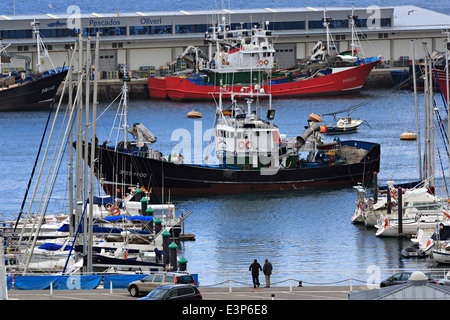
125 103
93 146
416 109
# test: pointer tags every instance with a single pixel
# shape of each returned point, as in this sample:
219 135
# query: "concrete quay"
208 293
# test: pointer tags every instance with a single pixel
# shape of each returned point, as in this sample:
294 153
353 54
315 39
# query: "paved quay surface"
209 293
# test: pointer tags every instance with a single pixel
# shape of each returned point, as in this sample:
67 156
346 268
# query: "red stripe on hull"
241 188
344 82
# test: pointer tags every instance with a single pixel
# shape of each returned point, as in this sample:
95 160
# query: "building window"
287 25
141 30
191 28
58 33
318 24
16 34
113 31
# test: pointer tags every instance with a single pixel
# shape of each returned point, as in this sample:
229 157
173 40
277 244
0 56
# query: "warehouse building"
142 39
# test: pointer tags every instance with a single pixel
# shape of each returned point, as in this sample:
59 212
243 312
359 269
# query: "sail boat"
429 213
24 90
245 57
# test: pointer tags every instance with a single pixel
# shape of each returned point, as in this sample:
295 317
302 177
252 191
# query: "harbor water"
305 229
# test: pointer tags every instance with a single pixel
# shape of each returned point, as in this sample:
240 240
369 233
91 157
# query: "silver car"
147 284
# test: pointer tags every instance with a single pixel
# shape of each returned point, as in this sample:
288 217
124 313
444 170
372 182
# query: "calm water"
305 229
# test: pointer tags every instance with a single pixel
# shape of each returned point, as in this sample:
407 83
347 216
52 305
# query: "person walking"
254 268
267 270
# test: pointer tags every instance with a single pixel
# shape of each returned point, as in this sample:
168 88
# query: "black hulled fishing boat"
252 156
27 89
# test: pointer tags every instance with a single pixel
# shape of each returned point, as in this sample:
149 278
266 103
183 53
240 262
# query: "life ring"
23 75
266 62
386 223
108 206
394 194
249 145
446 214
241 144
115 211
261 62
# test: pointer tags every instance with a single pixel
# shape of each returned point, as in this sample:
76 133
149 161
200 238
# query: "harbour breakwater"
108 89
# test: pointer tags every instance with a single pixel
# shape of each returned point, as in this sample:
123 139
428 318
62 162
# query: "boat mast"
416 109
352 19
125 102
93 146
326 22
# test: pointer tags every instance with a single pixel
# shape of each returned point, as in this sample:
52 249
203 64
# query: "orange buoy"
315 118
194 114
408 135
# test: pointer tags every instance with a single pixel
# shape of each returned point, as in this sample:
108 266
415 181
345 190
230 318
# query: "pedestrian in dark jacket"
254 268
267 270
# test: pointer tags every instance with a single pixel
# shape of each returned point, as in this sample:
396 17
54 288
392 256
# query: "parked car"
402 277
147 284
174 292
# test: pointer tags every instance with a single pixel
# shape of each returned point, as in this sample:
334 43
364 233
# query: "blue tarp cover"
121 281
53 247
59 282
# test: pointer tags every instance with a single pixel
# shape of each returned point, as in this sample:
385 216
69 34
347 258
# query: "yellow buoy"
408 135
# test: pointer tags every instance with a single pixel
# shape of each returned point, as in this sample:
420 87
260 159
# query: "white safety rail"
370 277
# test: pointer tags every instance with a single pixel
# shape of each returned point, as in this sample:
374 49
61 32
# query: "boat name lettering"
151 21
104 23
47 89
135 174
349 79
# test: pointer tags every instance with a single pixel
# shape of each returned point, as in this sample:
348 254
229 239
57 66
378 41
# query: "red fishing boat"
245 57
441 77
337 81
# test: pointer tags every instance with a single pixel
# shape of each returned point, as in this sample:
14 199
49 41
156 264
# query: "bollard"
400 212
182 262
138 195
158 225
375 187
389 205
166 240
143 206
173 256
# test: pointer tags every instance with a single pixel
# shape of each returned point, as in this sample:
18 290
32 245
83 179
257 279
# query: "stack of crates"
165 71
147 71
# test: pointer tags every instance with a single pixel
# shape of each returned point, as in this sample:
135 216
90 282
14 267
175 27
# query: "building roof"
413 290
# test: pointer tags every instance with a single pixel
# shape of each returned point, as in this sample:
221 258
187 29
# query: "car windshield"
158 293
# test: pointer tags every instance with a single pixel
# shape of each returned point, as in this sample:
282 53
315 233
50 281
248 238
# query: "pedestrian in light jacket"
267 270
